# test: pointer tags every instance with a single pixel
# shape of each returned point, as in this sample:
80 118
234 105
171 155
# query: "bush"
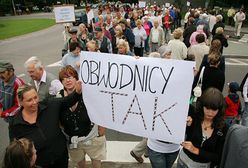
5 8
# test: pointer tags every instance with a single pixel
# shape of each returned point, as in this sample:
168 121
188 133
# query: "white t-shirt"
155 35
162 147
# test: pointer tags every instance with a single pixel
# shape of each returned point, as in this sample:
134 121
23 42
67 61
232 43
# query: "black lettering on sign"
85 63
166 79
135 113
112 100
150 77
94 72
160 115
122 84
114 77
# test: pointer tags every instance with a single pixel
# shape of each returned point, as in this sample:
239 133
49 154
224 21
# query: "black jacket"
218 24
211 149
46 134
187 33
222 39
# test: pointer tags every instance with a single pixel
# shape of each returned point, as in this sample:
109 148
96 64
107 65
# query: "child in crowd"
233 105
20 153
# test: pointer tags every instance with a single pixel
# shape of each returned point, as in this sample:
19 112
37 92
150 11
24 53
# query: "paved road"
47 44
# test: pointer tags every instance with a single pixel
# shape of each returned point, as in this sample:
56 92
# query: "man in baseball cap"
9 84
5 65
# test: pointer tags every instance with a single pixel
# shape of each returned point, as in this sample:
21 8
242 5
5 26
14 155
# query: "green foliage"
5 7
15 27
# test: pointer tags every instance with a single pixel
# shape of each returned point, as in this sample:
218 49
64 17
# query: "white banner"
64 14
148 97
142 4
188 3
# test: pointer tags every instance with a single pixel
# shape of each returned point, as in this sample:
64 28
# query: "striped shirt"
8 96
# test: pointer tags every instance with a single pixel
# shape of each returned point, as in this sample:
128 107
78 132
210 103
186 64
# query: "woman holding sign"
205 133
84 136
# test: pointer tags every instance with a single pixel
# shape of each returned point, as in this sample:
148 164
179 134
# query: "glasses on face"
68 78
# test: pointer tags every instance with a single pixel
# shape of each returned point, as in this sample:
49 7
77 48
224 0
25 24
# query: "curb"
236 56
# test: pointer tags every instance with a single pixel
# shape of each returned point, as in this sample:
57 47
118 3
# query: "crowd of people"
48 122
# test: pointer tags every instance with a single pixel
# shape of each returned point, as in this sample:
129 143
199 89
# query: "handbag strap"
199 82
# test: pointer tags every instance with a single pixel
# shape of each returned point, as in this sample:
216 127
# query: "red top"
232 107
167 21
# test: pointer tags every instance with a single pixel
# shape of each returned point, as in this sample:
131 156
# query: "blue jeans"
162 160
244 120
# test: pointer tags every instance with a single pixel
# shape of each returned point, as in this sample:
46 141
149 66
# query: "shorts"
94 148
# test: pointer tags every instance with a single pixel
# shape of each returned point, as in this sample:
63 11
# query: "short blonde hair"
119 28
92 43
123 43
138 22
219 18
100 17
219 30
154 55
177 33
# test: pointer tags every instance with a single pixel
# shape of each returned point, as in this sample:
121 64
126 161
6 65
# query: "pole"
13 5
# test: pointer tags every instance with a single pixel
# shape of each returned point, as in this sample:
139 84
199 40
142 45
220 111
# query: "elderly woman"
199 30
123 48
205 132
156 39
218 23
76 122
178 48
165 52
220 36
39 121
140 37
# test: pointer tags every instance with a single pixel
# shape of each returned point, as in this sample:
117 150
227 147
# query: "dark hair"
191 20
19 154
23 89
200 38
73 46
67 71
213 99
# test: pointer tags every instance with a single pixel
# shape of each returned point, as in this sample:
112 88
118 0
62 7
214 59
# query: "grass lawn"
15 27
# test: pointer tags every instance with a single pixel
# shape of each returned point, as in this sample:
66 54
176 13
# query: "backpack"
242 84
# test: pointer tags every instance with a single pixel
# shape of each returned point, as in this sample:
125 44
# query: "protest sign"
188 3
90 16
142 4
64 14
148 97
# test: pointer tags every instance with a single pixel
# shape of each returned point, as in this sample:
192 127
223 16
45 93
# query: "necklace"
205 127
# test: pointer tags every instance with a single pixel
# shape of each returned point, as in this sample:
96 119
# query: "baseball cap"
72 31
98 29
233 86
5 65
